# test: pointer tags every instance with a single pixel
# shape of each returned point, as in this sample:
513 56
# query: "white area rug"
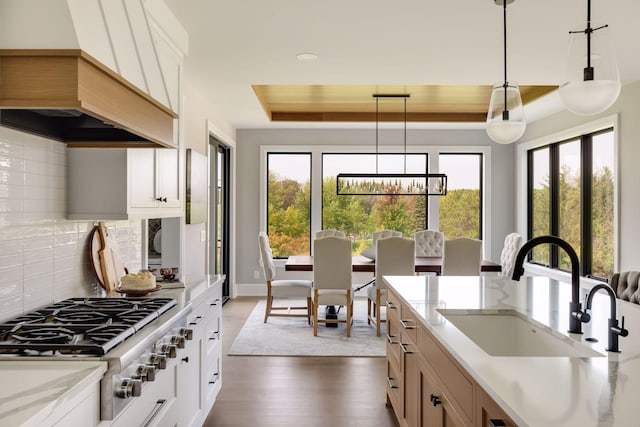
292 336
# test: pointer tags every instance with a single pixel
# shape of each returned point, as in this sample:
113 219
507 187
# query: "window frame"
524 189
432 152
266 190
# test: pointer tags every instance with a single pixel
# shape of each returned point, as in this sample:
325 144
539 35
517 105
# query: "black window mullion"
530 195
554 203
586 177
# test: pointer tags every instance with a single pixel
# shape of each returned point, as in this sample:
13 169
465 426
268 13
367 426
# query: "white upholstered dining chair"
510 249
429 243
330 233
394 256
287 289
332 278
462 257
383 234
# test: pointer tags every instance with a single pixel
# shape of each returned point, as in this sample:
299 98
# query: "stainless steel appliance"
138 337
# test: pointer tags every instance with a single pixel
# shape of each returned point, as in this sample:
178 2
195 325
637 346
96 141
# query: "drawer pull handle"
391 305
154 413
214 335
390 339
497 423
404 348
391 385
214 378
215 302
196 320
435 400
405 325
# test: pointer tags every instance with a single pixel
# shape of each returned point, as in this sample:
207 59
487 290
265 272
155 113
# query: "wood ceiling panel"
335 103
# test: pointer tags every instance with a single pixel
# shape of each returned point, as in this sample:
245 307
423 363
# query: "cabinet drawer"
394 388
393 340
490 414
393 304
408 324
459 386
212 379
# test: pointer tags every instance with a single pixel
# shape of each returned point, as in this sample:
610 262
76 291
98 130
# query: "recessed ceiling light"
307 56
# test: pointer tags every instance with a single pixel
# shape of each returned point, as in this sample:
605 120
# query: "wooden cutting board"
104 259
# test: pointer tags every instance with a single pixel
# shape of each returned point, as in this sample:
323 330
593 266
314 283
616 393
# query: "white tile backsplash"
44 257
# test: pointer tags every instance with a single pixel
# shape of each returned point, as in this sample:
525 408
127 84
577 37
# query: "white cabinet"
121 183
200 380
188 383
154 178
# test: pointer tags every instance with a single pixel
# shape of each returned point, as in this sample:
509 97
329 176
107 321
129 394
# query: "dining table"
367 265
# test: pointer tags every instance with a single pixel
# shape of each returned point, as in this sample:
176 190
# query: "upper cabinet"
119 183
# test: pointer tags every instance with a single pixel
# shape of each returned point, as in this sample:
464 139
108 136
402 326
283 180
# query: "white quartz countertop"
537 391
32 391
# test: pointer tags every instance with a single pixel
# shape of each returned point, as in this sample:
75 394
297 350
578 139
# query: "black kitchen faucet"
575 326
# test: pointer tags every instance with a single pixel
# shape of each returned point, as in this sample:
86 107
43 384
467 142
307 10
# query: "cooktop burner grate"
82 326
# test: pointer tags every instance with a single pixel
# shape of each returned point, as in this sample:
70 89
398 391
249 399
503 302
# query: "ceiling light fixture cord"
505 112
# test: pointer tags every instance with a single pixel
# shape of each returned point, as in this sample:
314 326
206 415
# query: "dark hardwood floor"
296 391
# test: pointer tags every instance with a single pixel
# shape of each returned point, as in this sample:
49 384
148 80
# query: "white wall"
248 181
43 257
628 108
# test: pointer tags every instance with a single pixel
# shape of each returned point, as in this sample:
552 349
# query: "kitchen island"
595 390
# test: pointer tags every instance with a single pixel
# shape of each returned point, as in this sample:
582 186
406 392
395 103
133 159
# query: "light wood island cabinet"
425 385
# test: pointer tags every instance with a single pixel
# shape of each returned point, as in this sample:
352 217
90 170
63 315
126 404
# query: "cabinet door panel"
168 176
142 178
411 386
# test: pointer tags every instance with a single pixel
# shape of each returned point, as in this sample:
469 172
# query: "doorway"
219 212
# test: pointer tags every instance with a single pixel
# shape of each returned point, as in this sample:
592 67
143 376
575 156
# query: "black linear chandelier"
391 184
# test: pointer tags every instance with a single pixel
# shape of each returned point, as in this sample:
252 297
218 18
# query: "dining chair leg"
315 312
309 305
349 313
377 309
267 309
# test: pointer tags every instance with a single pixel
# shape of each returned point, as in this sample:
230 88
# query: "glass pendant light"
505 120
590 80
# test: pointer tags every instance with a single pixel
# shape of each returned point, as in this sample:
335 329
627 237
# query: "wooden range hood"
67 95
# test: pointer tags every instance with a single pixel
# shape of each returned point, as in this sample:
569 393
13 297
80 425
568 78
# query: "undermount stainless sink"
512 334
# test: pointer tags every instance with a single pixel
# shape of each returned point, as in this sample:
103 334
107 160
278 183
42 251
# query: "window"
359 216
289 203
571 195
460 213
298 193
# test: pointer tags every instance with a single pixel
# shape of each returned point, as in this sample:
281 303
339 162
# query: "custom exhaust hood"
69 96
